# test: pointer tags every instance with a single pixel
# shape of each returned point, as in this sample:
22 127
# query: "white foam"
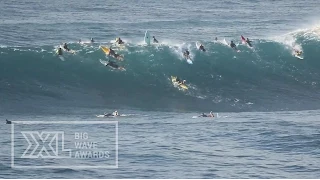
289 41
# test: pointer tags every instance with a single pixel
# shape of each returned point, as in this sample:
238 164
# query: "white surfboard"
71 51
225 42
61 57
147 38
103 62
111 116
198 44
299 57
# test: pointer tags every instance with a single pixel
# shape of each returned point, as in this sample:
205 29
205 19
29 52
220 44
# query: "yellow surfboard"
105 50
174 81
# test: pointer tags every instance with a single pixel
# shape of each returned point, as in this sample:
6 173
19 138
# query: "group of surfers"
186 53
112 53
115 114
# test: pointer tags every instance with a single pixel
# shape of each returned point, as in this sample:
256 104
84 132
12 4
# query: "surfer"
119 41
155 40
179 81
233 45
209 115
248 42
113 54
201 47
65 46
182 82
59 51
216 39
91 40
186 54
8 122
115 113
79 41
114 65
298 52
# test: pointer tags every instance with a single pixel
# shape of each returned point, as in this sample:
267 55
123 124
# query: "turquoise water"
266 98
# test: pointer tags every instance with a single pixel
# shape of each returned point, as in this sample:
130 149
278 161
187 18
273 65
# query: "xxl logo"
47 144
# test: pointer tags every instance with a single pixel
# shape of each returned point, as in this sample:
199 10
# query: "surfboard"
147 38
105 64
189 61
103 116
225 42
105 50
243 40
299 57
175 83
198 44
111 116
61 57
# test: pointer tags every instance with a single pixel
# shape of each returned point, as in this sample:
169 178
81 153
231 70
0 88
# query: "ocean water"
266 101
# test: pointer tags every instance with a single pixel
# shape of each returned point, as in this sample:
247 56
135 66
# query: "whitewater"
265 100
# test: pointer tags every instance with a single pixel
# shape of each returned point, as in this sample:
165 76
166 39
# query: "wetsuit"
202 48
186 53
203 115
155 41
66 47
249 42
8 122
120 41
112 64
59 52
111 52
179 80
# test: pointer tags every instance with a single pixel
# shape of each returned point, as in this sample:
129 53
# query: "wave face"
265 78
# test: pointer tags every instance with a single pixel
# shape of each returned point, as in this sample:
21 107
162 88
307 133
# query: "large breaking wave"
265 78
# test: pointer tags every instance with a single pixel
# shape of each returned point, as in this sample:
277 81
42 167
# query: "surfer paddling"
186 54
205 115
115 55
114 65
233 45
